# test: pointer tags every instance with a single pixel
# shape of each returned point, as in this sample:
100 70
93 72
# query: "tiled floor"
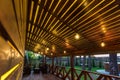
40 76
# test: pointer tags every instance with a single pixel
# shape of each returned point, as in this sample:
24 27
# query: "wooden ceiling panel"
56 22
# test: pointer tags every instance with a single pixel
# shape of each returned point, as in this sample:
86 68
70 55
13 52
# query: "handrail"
63 73
98 73
8 73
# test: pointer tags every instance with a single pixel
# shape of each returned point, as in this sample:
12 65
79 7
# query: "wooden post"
44 59
52 64
113 64
72 67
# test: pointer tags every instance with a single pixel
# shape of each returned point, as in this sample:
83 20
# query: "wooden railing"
65 74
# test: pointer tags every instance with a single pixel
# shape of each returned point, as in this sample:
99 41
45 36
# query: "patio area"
40 76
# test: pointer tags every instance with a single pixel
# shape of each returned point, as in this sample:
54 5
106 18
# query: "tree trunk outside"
89 63
59 61
52 64
56 60
113 64
68 61
80 60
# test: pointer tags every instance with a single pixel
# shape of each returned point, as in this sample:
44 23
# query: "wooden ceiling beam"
46 41
50 33
67 25
100 50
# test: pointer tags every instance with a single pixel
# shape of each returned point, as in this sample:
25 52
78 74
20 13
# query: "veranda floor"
40 76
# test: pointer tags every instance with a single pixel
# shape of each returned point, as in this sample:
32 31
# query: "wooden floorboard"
40 76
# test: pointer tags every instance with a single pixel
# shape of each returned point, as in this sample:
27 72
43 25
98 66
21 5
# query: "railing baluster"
85 75
63 73
80 75
89 76
100 77
110 78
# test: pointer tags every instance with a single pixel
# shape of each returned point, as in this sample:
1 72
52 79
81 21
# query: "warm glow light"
77 56
77 36
54 32
102 44
37 46
31 11
66 40
41 52
4 76
86 3
104 29
64 52
47 48
66 44
36 13
43 41
51 54
39 1
53 48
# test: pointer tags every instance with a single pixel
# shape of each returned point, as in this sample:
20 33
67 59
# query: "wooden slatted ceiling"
55 23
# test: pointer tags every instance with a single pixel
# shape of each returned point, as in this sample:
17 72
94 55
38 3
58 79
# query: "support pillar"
44 59
72 66
52 64
113 64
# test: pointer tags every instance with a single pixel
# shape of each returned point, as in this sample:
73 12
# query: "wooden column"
113 64
44 59
72 67
52 64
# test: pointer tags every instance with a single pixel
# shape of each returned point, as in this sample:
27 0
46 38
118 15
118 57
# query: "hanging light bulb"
102 44
64 52
47 48
41 53
51 54
77 36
